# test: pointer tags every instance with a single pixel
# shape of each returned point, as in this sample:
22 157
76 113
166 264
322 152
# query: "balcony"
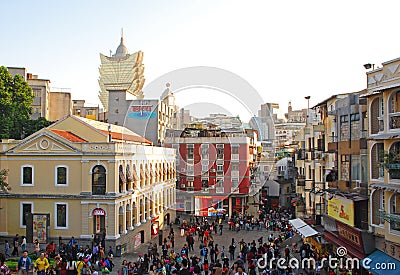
301 180
394 120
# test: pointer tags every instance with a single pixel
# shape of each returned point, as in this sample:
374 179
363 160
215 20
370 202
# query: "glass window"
61 175
27 175
99 180
220 167
235 167
235 150
25 209
235 183
61 215
355 167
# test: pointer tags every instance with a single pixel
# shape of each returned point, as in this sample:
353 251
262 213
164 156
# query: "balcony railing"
394 120
388 217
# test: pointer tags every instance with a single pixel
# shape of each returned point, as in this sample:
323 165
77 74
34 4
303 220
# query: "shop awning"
297 223
304 229
378 260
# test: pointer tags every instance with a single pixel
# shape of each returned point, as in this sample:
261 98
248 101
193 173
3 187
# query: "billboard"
208 206
341 209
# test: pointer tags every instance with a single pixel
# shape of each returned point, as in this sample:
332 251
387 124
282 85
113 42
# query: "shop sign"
341 209
350 235
99 212
390 248
154 229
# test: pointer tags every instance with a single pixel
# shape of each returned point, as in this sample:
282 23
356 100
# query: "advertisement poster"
39 227
154 229
137 240
142 112
342 210
207 206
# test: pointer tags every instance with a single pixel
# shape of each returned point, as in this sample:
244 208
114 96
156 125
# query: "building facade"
49 104
92 180
214 169
383 95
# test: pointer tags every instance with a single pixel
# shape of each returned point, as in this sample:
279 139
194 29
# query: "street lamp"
308 107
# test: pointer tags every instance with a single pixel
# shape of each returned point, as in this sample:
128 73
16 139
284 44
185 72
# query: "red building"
214 169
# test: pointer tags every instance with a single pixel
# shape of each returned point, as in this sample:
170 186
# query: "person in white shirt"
240 271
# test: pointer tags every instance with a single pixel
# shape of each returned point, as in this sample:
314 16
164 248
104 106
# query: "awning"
297 223
304 229
383 136
378 260
388 187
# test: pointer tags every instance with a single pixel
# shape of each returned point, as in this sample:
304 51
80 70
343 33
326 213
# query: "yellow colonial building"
87 179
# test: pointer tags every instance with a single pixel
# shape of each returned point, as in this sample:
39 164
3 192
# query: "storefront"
358 243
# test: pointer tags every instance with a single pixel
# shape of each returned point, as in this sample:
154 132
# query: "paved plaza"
222 240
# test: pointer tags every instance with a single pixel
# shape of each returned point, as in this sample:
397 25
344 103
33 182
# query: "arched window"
393 160
394 210
377 156
394 110
99 180
376 115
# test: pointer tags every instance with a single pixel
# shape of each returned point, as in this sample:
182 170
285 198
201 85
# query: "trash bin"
118 251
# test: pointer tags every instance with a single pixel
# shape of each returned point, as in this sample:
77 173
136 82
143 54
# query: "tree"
16 98
32 126
4 187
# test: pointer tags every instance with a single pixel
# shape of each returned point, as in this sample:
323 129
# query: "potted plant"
392 163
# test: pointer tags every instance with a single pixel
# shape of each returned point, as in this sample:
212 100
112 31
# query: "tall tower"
121 72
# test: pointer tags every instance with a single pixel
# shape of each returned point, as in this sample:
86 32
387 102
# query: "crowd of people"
68 258
208 256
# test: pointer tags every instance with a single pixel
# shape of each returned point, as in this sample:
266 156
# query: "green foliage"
15 104
4 187
32 126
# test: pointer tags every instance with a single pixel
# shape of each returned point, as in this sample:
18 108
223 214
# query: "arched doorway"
99 220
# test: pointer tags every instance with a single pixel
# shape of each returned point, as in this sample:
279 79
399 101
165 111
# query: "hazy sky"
285 49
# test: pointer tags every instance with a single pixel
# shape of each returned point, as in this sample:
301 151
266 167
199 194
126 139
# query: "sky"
286 50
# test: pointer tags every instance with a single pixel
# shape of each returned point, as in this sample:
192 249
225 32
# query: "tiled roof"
68 135
127 137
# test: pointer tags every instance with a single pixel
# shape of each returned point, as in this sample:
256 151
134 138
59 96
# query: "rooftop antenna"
122 33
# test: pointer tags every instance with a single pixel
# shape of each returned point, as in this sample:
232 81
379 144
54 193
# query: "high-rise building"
121 72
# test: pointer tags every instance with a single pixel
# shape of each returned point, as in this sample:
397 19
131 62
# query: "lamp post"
308 107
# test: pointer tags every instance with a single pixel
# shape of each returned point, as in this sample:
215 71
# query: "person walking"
15 245
7 249
24 263
41 264
23 244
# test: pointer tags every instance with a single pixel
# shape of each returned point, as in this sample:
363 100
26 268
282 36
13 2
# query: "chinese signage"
342 210
390 248
40 227
350 235
141 112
